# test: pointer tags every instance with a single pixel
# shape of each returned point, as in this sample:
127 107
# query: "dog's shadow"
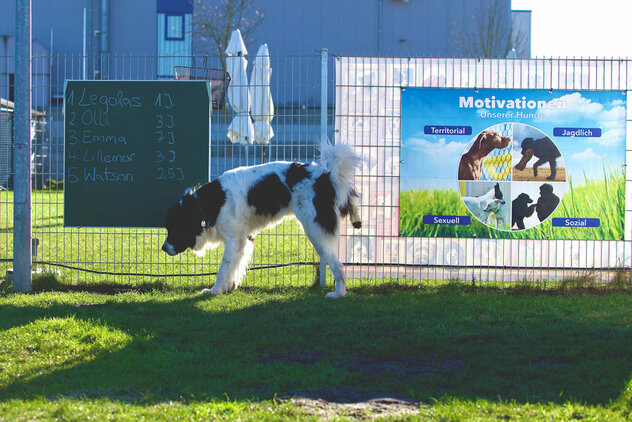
189 347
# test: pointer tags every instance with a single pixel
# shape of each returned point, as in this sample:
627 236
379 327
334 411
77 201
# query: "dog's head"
523 198
184 223
489 140
546 189
527 153
527 144
494 205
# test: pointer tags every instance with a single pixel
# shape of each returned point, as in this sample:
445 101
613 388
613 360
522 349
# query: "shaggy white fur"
260 197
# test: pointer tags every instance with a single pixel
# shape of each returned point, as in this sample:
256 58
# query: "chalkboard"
131 149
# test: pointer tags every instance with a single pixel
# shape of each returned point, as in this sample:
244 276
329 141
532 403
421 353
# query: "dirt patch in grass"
328 403
332 402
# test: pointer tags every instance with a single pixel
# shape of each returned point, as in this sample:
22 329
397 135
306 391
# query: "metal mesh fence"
363 110
133 256
369 116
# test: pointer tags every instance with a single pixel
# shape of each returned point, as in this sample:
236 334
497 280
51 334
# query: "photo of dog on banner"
496 185
490 208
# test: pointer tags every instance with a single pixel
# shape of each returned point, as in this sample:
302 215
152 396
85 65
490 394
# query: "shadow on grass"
263 343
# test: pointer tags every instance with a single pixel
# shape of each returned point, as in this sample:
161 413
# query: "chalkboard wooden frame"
131 149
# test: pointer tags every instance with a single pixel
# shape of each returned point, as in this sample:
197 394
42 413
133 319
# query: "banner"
507 163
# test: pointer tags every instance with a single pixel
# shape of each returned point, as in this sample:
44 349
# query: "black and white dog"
485 206
244 201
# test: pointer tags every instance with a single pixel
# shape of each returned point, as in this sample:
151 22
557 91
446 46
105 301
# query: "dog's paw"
535 172
215 290
335 295
550 178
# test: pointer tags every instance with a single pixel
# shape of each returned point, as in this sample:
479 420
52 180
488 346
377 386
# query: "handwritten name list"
124 139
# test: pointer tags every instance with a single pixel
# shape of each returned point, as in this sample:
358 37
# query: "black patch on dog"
184 219
269 195
183 223
212 198
498 194
324 199
295 173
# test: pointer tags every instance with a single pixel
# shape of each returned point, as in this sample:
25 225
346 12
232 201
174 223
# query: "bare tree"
490 33
216 19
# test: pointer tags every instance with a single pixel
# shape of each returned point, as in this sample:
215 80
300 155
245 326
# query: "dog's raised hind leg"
354 214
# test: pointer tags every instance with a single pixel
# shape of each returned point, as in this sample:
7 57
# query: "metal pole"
324 56
84 59
22 259
380 29
105 39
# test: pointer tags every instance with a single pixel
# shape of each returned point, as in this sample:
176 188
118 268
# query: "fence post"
22 259
324 57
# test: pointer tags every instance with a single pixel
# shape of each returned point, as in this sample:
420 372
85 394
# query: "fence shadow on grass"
264 343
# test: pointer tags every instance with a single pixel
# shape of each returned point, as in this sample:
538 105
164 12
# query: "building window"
11 87
174 28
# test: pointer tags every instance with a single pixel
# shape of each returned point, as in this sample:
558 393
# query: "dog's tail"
341 163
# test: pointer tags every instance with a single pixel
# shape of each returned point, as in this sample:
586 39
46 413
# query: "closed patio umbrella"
262 109
241 130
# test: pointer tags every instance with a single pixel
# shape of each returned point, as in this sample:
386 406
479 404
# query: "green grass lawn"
134 256
484 354
74 350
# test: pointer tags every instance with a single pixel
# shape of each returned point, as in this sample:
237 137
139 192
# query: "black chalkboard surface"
131 148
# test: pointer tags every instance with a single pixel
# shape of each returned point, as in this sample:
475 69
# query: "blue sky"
431 161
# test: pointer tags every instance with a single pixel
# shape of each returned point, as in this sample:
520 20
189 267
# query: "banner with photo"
508 163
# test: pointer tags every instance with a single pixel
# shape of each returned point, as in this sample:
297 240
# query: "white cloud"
576 105
618 103
615 117
579 108
610 137
587 156
440 148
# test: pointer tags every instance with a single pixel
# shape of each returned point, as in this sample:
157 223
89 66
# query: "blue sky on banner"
431 161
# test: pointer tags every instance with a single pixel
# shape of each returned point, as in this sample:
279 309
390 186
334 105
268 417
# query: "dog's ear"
528 143
188 192
498 194
476 147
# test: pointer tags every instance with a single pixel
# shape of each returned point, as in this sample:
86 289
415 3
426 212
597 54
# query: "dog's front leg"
536 165
233 266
